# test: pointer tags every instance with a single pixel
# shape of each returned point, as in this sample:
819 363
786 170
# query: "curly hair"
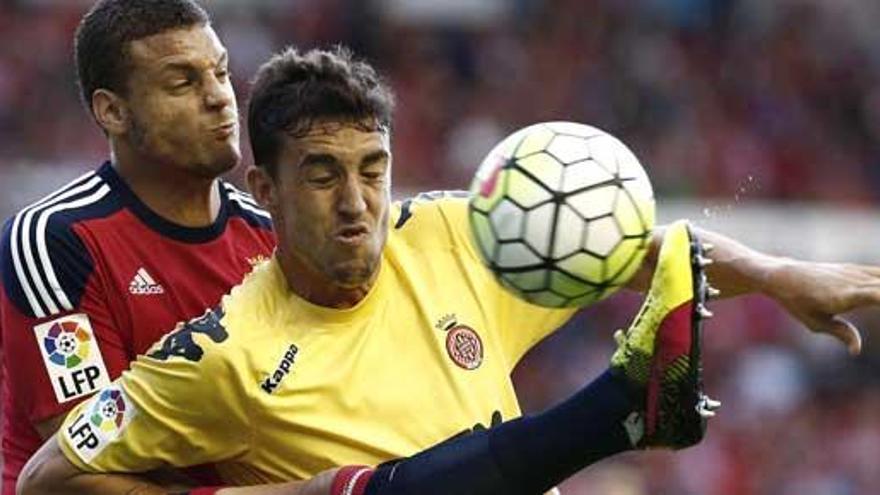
294 89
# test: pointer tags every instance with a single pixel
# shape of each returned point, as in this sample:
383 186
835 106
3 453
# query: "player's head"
154 76
319 125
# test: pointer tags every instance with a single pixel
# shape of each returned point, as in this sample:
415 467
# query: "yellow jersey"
272 388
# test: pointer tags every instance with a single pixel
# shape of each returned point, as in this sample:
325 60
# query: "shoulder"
196 354
244 206
44 263
221 335
437 218
251 304
427 209
190 339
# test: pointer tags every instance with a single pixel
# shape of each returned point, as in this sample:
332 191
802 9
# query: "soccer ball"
561 213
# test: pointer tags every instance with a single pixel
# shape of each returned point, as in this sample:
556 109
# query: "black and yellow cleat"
660 353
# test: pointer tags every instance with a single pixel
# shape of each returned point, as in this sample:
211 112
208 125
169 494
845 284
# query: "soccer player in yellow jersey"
375 332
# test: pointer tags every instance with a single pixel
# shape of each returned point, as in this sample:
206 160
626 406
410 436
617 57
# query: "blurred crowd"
708 92
720 99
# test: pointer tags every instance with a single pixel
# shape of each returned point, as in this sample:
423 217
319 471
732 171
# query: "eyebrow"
328 159
374 157
318 159
189 66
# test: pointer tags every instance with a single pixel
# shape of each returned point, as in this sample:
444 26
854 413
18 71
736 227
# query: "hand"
818 293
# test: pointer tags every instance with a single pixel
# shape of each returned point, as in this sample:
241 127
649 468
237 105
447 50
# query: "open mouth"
225 130
353 235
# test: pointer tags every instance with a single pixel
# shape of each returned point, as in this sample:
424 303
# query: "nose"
351 203
218 93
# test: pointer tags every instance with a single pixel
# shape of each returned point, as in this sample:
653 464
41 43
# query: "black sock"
526 456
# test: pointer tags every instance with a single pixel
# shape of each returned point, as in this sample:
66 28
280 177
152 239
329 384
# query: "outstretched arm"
817 294
49 473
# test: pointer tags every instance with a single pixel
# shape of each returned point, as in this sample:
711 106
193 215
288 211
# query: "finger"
868 269
844 331
869 296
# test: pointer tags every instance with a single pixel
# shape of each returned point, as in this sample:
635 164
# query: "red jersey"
91 278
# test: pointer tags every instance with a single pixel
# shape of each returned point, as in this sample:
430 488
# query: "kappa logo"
98 422
180 342
284 367
72 357
143 284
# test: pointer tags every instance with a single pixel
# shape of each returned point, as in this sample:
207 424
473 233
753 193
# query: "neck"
317 288
171 193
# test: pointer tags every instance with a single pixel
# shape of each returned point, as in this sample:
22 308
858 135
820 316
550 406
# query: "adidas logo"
143 284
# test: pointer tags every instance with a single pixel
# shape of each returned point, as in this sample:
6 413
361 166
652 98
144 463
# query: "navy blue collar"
156 222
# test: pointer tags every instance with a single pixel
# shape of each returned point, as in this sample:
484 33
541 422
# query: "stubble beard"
206 169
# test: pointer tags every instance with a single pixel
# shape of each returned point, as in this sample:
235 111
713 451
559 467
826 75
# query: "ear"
110 111
263 188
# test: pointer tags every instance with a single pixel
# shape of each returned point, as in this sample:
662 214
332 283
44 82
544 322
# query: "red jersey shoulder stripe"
29 248
248 204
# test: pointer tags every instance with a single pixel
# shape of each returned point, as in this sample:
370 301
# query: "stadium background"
759 119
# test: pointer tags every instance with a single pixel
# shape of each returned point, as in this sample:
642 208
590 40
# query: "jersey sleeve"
520 324
60 340
179 405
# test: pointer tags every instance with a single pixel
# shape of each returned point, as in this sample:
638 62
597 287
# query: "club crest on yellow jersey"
463 343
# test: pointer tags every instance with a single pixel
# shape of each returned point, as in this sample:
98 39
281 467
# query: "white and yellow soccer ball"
562 213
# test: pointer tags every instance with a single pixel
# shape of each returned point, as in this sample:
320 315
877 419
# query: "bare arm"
48 427
169 479
50 473
64 477
814 293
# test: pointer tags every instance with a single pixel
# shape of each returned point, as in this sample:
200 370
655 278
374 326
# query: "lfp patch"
72 357
108 413
98 422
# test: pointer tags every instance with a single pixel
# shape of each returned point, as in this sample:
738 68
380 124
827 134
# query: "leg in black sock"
525 456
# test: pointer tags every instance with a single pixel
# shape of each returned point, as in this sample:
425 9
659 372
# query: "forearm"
736 269
49 472
108 484
53 476
319 485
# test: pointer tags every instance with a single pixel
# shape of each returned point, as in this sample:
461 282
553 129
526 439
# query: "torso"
134 275
419 360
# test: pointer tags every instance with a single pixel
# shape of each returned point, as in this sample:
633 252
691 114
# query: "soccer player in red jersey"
97 271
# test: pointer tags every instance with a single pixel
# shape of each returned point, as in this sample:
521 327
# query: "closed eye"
324 180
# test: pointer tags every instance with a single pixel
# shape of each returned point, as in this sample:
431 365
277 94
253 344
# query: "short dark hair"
294 89
105 32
